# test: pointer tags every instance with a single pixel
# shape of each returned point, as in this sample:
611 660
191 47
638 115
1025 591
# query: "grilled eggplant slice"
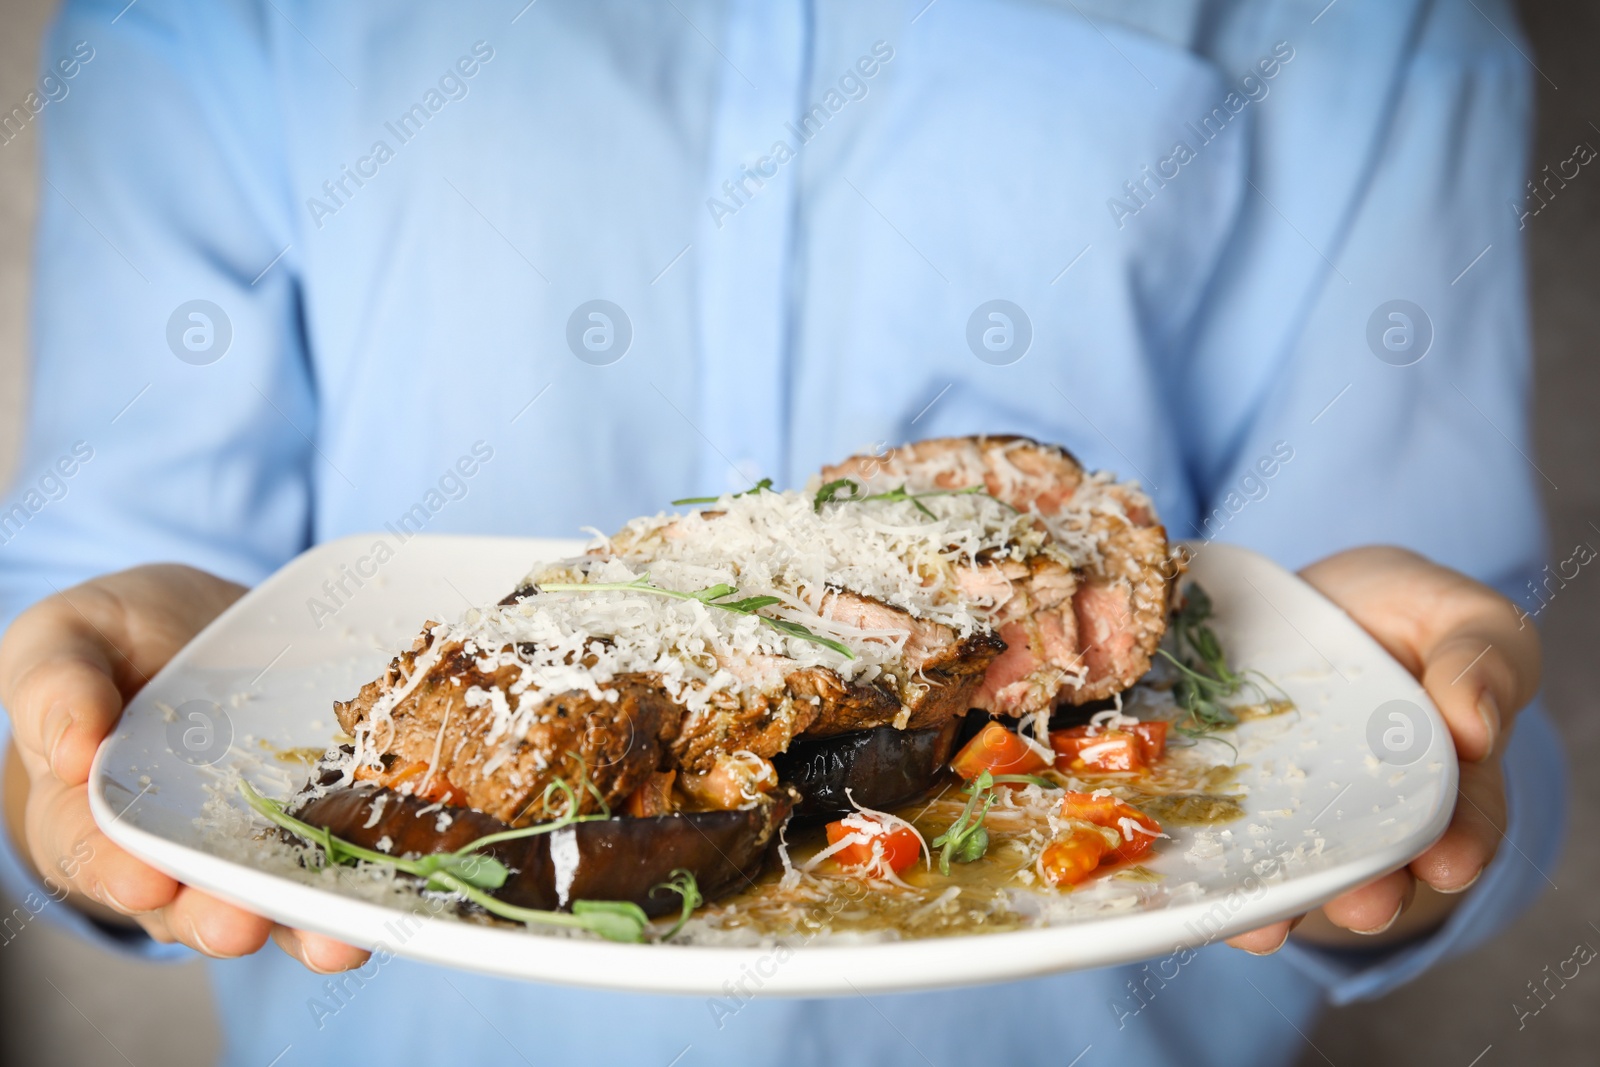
610 859
881 768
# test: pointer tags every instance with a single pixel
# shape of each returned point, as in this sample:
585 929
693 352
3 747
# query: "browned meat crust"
617 744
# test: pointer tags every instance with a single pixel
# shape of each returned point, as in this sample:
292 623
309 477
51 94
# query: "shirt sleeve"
172 416
1385 160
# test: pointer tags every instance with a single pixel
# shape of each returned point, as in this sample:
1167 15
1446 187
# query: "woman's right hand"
68 666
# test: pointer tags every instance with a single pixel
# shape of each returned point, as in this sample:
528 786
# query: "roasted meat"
1081 622
840 633
436 717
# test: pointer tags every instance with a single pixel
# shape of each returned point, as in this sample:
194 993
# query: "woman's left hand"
1478 658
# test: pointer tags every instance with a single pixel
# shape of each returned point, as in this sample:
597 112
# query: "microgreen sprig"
1205 679
682 883
470 873
848 491
967 840
764 485
713 597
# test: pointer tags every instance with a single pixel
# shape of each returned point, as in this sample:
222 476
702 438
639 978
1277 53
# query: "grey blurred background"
63 1002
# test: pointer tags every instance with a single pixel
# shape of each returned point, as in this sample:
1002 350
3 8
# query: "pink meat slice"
1072 635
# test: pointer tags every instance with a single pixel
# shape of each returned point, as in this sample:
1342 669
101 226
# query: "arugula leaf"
714 592
749 604
831 490
794 629
764 485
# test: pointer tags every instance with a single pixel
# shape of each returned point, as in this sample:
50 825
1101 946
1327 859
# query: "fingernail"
201 943
56 722
1269 951
1489 712
1380 929
109 899
297 949
1280 944
1461 888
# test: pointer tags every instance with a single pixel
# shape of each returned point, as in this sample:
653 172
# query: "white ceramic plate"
1324 812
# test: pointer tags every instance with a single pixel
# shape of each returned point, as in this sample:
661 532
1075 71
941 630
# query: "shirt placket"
744 240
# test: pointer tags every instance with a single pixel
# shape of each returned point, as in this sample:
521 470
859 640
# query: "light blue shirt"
1198 217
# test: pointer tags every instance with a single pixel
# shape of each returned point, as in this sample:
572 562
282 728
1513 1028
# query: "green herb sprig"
682 883
763 486
967 840
1205 679
470 873
848 491
713 597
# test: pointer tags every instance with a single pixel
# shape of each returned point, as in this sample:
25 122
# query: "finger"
1477 658
1266 940
319 954
1374 907
1474 683
69 846
214 927
1456 860
63 706
155 924
57 658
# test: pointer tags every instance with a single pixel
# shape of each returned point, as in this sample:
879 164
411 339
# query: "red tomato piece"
1107 752
1152 737
1138 830
410 779
897 846
1073 858
998 751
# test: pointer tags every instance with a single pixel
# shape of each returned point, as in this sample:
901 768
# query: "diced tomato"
1106 752
897 846
1152 737
653 797
1071 859
1110 812
998 751
409 779
1110 751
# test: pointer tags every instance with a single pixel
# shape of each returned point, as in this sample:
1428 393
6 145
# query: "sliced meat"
1025 474
761 718
937 674
842 706
1039 626
1122 609
465 727
1072 633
